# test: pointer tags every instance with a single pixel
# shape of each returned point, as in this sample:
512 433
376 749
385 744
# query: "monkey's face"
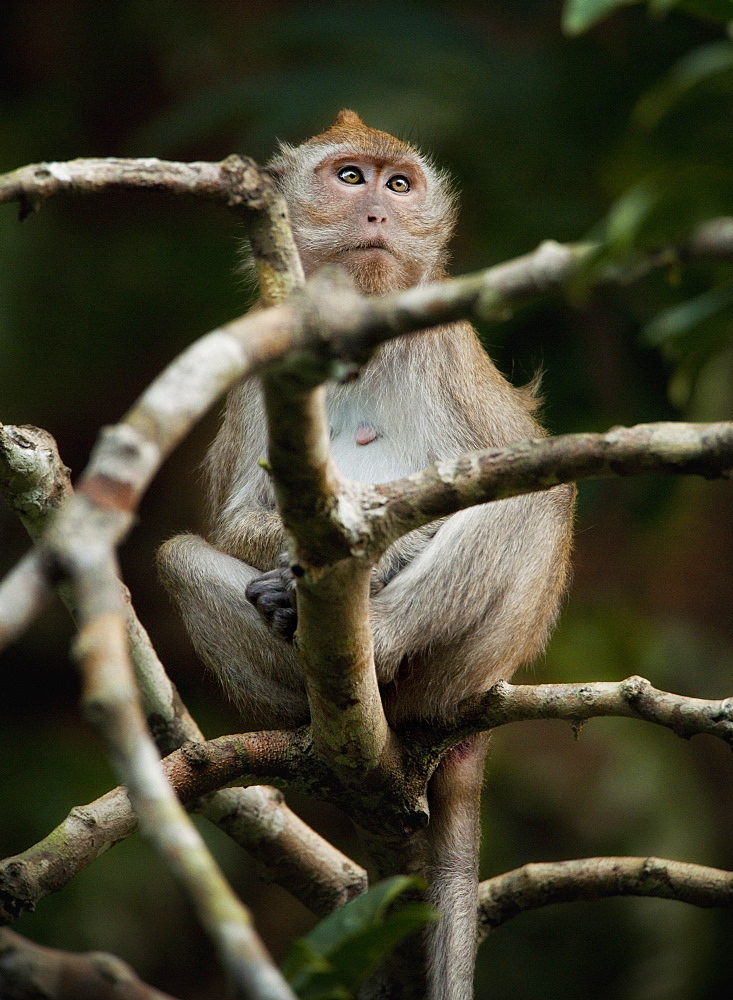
384 215
367 214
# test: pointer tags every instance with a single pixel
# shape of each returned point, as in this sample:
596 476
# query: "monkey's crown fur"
349 130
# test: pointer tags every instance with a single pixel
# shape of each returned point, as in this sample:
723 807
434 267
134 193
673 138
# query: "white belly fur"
376 462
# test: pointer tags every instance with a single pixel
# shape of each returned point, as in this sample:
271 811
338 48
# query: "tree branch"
392 509
79 545
633 698
294 855
534 885
236 183
111 703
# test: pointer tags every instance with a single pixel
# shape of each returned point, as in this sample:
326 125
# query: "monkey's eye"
399 184
350 175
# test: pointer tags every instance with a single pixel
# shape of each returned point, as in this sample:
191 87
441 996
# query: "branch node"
633 690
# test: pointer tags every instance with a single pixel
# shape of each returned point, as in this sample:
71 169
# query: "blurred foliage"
579 15
618 131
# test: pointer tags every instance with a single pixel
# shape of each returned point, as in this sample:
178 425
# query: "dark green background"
545 137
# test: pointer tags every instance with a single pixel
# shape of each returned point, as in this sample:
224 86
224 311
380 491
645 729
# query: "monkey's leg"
258 670
472 606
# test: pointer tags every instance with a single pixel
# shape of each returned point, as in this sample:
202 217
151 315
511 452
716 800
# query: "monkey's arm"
255 536
259 671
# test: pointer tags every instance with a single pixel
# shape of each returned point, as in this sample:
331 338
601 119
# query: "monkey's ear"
347 117
274 169
277 166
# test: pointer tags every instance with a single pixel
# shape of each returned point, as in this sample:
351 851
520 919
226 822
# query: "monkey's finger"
284 623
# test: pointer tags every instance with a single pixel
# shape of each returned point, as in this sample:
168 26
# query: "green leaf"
661 7
358 957
360 914
303 959
579 15
658 211
627 216
615 239
340 952
694 68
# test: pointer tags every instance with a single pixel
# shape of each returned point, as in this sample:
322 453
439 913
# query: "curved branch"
236 183
535 885
111 703
79 545
293 854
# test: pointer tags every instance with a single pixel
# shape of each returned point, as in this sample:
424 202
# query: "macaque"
455 606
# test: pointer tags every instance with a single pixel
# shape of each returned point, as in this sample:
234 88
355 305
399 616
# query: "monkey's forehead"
369 141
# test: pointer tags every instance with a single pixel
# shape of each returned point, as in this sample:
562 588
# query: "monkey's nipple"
365 434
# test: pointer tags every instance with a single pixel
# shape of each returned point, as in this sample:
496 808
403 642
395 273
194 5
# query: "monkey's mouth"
368 245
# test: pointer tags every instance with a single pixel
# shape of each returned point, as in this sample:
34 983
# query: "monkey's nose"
376 214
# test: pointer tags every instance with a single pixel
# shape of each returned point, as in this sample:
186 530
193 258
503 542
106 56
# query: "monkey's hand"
273 596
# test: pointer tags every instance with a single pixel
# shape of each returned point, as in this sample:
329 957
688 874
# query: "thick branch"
111 702
29 970
535 885
334 639
196 770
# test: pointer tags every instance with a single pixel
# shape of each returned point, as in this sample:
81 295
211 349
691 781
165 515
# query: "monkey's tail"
454 837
